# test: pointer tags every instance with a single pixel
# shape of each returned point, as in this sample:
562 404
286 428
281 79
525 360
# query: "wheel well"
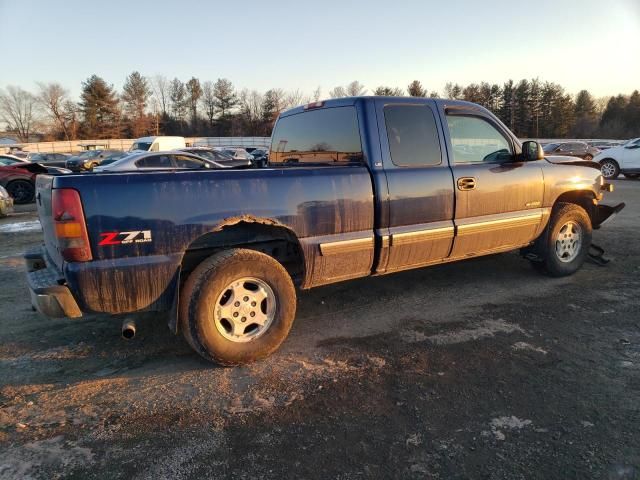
584 198
609 158
276 241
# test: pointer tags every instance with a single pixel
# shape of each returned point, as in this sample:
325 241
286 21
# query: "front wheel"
564 245
22 191
609 169
237 306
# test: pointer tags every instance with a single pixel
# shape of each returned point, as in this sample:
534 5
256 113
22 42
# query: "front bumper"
48 293
605 213
6 206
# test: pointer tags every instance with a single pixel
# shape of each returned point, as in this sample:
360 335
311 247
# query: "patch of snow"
18 227
528 346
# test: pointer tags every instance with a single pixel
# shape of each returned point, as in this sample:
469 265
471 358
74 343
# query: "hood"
557 159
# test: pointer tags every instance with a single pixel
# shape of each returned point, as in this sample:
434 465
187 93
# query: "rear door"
420 185
498 198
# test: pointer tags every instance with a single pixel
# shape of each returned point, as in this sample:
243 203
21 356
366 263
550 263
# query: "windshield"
141 146
89 154
550 147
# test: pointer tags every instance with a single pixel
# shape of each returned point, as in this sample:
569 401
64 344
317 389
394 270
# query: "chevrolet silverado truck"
355 187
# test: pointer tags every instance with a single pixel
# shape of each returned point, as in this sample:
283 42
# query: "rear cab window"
413 135
322 136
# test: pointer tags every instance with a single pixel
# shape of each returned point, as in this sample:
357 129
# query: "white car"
623 159
159 161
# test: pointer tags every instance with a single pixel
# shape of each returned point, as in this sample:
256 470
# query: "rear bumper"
48 293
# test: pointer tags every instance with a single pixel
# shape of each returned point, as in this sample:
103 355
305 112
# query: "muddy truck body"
355 187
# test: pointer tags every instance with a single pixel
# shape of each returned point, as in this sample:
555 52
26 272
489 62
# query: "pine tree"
388 92
178 96
415 89
586 118
194 92
99 107
135 95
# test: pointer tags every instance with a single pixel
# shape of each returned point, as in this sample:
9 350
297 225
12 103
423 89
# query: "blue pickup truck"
355 187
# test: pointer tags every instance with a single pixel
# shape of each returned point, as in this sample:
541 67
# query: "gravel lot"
480 369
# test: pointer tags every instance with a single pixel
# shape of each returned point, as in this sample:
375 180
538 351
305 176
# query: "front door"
498 197
631 157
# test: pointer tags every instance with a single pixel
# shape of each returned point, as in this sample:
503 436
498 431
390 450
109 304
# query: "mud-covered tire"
553 259
199 301
609 169
22 191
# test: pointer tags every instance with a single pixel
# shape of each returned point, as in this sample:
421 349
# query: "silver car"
159 161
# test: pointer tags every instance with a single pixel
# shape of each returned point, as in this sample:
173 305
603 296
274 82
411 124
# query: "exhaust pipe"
128 329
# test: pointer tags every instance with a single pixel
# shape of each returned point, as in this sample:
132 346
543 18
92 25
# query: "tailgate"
44 185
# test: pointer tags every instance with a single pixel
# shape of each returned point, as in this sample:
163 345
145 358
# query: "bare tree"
295 98
250 103
53 98
208 100
161 91
18 109
354 89
317 93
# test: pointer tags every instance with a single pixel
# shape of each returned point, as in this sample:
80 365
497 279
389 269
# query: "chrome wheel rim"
608 169
569 242
245 309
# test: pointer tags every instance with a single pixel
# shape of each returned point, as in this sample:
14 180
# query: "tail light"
69 224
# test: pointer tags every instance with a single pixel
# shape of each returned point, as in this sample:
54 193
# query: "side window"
317 136
413 135
155 161
188 162
475 140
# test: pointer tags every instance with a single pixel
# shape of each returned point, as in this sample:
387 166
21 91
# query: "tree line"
157 105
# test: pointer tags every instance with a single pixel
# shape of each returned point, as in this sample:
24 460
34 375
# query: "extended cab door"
498 198
420 185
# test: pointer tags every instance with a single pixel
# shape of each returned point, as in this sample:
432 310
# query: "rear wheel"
237 306
564 245
22 191
609 169
632 175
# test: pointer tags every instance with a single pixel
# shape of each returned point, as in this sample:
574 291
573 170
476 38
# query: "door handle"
466 183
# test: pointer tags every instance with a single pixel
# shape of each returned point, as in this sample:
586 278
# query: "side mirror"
532 151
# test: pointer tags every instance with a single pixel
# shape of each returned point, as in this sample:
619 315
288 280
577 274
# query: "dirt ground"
480 369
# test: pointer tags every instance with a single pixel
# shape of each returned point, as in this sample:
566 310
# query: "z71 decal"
124 238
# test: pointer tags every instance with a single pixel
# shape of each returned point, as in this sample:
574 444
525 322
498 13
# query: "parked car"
159 161
52 159
603 144
571 149
19 183
260 157
217 156
236 153
357 186
89 159
11 160
158 144
6 202
623 159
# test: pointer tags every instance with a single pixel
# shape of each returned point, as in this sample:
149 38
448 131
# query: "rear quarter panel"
317 204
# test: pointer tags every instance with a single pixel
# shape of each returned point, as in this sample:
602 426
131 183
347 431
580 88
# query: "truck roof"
348 101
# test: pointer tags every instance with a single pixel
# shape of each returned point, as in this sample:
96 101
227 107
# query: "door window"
155 161
475 140
413 135
183 161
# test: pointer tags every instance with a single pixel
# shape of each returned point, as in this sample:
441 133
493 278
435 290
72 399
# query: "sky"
581 44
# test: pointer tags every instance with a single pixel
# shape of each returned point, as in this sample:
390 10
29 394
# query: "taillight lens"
70 228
